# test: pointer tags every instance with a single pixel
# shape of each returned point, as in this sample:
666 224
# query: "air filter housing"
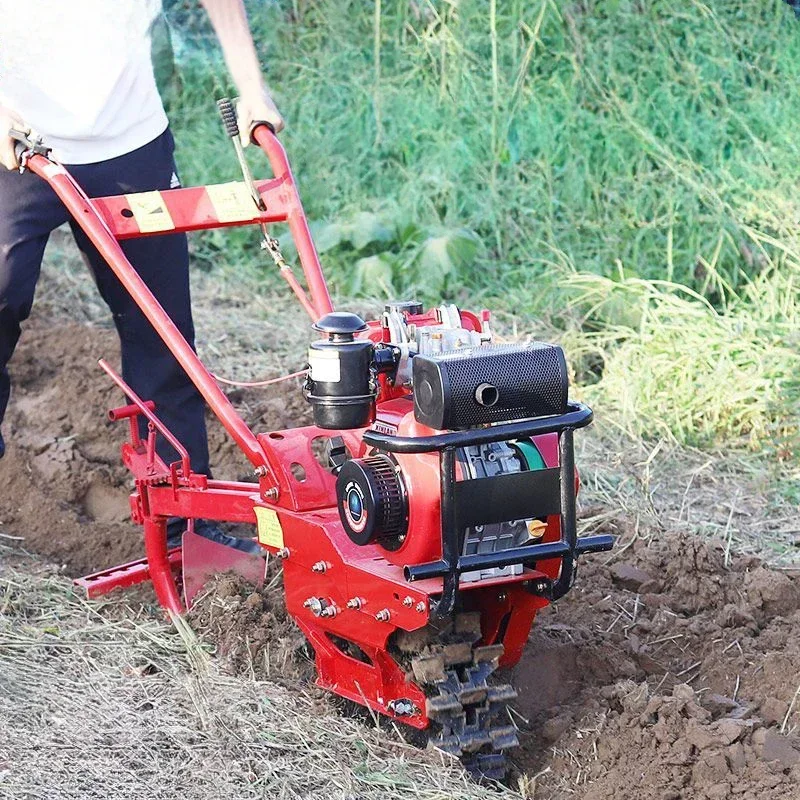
480 385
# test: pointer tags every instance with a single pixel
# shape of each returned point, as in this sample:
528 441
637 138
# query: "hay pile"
109 702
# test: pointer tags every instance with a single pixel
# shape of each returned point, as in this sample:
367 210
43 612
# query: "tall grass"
637 143
673 365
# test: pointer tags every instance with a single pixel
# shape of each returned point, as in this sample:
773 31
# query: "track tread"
467 708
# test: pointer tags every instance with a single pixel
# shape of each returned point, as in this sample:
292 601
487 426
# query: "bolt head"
408 602
283 552
329 611
315 605
420 607
401 707
355 602
320 566
383 615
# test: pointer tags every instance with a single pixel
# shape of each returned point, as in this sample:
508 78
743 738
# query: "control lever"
228 114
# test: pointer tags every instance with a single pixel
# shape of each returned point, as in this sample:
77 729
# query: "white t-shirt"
80 73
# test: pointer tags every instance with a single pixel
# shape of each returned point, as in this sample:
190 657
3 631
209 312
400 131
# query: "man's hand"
257 106
9 119
229 19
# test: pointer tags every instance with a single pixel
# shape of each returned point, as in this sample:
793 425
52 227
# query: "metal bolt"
384 615
408 601
260 472
420 607
283 552
271 494
401 707
320 566
315 605
355 603
329 611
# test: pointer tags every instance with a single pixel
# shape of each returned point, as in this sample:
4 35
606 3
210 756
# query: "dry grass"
113 703
652 489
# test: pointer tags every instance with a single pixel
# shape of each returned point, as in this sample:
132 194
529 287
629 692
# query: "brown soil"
667 675
63 488
251 628
671 672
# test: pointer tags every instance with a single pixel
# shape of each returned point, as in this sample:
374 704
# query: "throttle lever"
27 145
228 114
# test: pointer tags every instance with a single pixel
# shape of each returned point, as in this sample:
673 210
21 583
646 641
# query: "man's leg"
29 210
163 263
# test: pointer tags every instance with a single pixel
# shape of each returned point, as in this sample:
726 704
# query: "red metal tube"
126 412
155 547
155 423
298 225
80 207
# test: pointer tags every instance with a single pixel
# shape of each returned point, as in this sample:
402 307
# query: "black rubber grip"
228 114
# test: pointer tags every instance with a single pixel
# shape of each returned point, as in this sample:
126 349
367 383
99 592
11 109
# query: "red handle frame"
103 221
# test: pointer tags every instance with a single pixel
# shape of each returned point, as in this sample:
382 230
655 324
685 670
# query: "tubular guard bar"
452 563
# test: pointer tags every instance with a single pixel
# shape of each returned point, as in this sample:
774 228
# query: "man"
80 74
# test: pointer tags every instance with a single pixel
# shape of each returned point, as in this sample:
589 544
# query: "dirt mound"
63 488
671 673
251 629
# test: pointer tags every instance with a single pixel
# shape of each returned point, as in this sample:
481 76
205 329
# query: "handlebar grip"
228 114
255 123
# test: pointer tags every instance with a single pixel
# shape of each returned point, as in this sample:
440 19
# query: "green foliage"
675 366
478 151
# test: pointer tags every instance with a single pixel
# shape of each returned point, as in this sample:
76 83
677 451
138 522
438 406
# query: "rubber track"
468 709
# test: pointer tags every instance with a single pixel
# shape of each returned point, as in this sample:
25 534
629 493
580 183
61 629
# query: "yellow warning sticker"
269 527
232 201
150 212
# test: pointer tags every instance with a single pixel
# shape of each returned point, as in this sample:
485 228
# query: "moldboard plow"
417 551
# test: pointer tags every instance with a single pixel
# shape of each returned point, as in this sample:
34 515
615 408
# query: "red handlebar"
104 220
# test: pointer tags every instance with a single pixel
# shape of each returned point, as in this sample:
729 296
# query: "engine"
417 374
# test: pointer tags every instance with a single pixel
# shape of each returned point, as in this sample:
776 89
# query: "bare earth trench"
671 671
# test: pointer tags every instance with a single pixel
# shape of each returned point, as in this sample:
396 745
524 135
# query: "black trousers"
30 210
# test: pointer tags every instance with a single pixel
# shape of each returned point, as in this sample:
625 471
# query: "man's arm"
229 19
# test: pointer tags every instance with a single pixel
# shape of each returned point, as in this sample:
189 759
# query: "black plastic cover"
496 383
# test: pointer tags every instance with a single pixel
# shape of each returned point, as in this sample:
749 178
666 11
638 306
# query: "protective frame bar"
452 564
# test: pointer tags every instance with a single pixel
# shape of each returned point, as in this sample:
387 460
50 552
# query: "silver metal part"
485 461
445 337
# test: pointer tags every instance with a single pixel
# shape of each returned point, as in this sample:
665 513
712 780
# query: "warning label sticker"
150 212
324 365
269 527
232 201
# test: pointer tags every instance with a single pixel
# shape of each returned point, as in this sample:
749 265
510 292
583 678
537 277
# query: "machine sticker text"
269 527
232 201
150 212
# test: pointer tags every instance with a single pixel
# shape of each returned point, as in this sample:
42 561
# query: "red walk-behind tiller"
417 552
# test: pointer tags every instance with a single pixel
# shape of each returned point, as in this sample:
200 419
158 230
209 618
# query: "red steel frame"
318 557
